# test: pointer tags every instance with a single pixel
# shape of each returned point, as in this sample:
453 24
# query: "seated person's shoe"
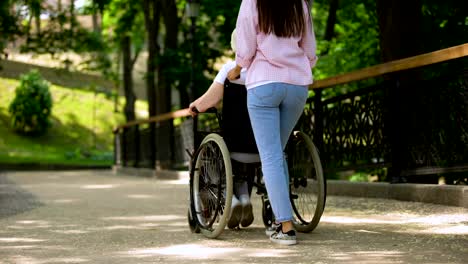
235 214
247 212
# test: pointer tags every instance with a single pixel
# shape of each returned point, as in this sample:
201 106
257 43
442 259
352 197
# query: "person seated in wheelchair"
238 135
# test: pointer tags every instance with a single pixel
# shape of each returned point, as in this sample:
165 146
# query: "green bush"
32 105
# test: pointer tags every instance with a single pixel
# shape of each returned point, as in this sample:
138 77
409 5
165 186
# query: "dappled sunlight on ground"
100 218
29 260
141 196
428 220
102 186
37 246
19 239
64 201
145 218
367 231
207 252
32 222
176 182
367 257
121 227
456 224
70 231
19 247
457 230
190 251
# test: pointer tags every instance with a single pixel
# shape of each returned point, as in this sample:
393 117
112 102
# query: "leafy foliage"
354 44
444 24
31 108
77 116
9 24
211 40
122 18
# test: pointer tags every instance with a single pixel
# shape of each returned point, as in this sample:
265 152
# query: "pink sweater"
269 58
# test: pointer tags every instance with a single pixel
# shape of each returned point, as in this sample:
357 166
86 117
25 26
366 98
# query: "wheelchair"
222 157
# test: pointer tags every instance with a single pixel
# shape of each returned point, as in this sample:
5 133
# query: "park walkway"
100 217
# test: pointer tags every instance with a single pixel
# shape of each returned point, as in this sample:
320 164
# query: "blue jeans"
274 110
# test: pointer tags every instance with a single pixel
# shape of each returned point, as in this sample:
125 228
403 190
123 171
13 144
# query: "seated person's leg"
235 215
244 198
241 191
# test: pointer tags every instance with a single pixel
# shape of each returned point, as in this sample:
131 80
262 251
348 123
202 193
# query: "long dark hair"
284 18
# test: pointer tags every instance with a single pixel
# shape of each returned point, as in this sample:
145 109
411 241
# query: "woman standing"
276 44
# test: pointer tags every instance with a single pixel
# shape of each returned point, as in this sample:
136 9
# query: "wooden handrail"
394 66
158 118
365 73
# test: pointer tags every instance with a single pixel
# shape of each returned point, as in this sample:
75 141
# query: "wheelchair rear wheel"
211 187
307 182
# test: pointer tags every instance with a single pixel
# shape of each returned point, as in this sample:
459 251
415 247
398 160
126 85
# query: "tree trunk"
130 98
72 14
97 17
28 29
73 23
96 26
152 15
59 10
399 24
171 22
331 20
183 95
37 18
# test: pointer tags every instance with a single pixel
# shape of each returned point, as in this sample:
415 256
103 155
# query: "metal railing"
400 116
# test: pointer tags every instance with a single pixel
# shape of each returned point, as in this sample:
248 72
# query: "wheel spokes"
211 185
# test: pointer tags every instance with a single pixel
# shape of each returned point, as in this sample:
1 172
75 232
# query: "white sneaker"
247 213
235 214
272 229
288 238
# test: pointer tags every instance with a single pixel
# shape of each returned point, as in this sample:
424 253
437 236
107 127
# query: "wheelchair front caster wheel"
267 213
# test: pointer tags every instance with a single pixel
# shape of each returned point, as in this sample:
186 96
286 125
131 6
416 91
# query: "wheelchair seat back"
236 128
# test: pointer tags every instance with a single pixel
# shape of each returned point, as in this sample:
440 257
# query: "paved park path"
99 217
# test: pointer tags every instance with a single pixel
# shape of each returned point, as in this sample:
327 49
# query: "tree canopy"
351 35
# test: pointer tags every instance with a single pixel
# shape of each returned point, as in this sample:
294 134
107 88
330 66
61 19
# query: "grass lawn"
81 131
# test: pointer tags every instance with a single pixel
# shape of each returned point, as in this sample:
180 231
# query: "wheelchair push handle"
195 110
212 110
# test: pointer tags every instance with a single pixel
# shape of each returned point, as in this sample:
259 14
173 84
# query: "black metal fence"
409 122
411 127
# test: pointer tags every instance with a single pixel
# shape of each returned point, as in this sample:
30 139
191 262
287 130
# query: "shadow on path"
100 217
13 199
